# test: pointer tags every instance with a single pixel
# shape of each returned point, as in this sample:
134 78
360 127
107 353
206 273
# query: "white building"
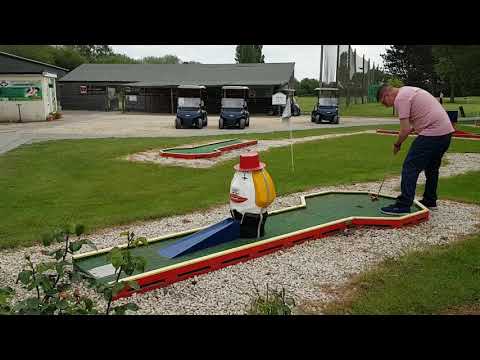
28 89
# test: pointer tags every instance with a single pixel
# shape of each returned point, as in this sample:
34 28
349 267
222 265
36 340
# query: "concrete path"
92 124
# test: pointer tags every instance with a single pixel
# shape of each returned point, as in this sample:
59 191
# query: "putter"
374 197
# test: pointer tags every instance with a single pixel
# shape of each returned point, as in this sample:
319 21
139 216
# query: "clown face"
251 191
242 193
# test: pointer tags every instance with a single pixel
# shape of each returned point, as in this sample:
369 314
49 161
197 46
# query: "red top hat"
249 162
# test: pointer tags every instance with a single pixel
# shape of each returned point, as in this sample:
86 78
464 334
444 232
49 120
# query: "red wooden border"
215 153
456 134
159 280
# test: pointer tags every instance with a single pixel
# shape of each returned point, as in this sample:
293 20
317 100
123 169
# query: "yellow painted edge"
160 238
266 241
303 204
193 147
225 252
453 137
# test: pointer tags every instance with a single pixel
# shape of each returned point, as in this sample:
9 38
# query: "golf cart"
191 109
327 106
234 111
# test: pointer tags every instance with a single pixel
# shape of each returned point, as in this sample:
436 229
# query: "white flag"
287 112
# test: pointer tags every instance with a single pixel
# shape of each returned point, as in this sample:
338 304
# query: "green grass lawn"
426 282
463 188
46 184
471 106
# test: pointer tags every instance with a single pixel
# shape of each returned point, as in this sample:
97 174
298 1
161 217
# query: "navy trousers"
425 154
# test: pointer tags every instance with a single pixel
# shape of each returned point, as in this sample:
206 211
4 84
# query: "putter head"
373 197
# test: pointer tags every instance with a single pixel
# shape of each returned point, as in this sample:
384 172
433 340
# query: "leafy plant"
5 296
52 281
124 262
273 303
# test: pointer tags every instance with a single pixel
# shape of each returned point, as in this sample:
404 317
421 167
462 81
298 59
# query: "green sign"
20 90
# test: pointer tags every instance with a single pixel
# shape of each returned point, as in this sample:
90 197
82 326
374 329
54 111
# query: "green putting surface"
203 149
320 209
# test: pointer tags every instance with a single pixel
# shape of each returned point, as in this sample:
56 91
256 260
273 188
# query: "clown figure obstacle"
251 192
249 232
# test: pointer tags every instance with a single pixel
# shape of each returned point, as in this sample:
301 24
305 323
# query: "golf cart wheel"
242 123
335 119
200 123
220 123
312 118
247 123
317 119
178 123
205 121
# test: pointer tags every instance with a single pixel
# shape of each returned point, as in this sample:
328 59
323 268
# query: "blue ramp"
226 230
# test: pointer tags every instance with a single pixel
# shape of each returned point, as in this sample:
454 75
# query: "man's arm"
405 130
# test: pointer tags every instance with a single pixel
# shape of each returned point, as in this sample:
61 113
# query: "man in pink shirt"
418 111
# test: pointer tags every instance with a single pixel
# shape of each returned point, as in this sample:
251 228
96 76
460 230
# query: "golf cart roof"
192 87
287 90
234 87
332 89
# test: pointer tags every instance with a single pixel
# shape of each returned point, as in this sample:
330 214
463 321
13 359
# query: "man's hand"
396 148
405 130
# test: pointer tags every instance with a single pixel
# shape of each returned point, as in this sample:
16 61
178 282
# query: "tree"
43 53
412 64
93 52
166 59
295 84
115 59
68 58
458 66
59 55
249 54
395 81
307 87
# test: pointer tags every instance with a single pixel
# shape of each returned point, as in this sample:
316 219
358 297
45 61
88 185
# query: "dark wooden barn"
153 87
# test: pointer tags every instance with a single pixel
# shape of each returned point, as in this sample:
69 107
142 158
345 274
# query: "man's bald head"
382 90
386 94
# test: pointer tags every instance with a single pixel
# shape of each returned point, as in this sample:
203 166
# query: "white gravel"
310 272
153 155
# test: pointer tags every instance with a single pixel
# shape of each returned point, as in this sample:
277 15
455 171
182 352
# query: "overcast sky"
305 57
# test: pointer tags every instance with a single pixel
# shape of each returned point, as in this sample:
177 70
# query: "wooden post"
171 99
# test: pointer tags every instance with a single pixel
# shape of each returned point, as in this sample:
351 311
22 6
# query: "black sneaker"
429 205
395 209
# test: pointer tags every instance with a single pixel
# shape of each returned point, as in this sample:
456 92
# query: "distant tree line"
451 69
71 56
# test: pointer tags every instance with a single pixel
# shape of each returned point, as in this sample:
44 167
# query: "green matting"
203 149
320 209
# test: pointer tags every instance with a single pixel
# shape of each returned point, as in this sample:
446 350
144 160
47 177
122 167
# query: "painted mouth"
237 198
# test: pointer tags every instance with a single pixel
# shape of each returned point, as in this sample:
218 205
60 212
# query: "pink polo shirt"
427 116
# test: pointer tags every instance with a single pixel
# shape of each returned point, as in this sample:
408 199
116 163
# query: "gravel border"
308 271
153 155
